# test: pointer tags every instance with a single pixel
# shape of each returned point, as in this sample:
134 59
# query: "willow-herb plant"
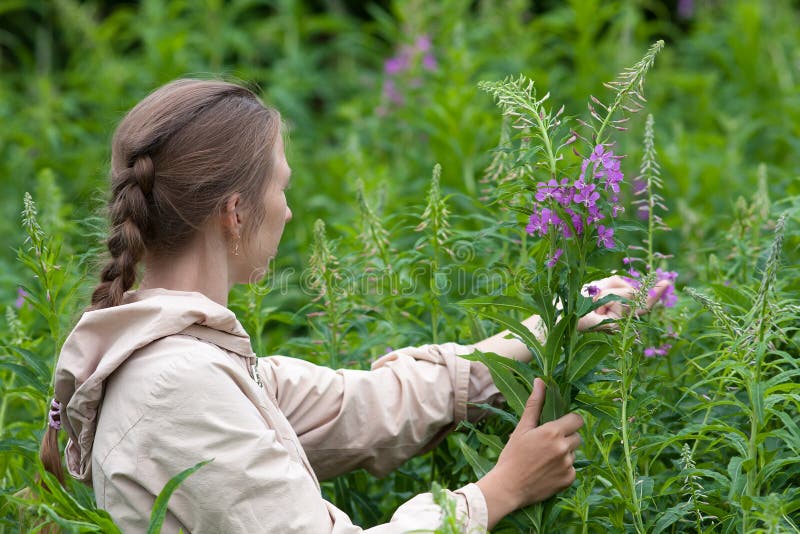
435 226
754 375
571 206
330 320
568 184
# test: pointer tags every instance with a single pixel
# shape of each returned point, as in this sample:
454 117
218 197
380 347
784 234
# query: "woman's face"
256 255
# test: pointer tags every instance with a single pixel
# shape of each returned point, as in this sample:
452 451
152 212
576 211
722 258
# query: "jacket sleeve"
199 411
378 419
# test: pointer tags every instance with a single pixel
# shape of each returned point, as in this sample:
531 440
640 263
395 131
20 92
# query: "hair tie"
54 417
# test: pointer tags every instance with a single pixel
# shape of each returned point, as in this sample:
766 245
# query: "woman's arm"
377 419
511 347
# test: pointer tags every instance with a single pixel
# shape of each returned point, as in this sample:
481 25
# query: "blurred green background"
724 94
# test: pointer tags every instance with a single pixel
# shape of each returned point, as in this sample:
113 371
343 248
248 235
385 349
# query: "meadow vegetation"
457 166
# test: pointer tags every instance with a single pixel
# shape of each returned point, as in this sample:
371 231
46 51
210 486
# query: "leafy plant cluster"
692 411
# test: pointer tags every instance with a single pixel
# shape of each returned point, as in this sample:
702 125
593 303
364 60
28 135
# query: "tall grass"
703 438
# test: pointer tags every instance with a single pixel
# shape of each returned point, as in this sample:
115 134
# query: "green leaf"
510 303
586 304
160 506
33 360
552 348
490 440
591 349
504 373
506 416
479 464
18 445
737 480
27 376
669 516
544 304
732 296
520 330
554 403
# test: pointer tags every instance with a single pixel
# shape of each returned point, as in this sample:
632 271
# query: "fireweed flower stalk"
570 206
404 72
641 260
565 210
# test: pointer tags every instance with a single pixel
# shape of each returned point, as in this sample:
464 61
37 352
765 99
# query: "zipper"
254 373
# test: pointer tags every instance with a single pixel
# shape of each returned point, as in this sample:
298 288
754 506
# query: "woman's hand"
614 310
536 462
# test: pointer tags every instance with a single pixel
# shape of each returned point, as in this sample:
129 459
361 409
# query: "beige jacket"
169 379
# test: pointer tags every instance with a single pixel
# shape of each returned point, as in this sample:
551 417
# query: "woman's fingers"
574 441
616 309
568 424
655 293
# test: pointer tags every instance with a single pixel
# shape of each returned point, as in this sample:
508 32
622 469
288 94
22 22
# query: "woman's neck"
200 267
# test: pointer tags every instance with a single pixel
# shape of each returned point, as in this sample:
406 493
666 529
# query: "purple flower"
21 294
586 194
666 275
390 91
554 259
685 8
396 65
593 290
535 224
545 191
423 43
639 186
594 215
661 350
601 155
605 236
577 223
429 62
668 297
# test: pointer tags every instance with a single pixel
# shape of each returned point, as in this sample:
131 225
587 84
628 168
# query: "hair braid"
128 210
208 140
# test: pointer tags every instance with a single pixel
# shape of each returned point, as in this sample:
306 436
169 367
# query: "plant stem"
630 473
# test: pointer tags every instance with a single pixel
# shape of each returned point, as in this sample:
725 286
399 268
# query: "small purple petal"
423 43
429 62
21 294
553 260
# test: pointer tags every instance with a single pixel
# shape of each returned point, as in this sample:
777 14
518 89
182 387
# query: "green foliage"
702 439
162 500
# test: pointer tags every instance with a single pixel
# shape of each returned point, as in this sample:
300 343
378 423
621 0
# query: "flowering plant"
571 198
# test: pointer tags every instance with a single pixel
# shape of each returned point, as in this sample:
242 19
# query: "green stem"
4 404
548 145
630 473
333 323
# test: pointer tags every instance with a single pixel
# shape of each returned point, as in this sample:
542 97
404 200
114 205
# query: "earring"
236 245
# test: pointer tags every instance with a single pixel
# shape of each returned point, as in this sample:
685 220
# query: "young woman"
154 380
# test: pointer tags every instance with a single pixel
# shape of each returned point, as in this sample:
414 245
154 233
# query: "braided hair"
176 158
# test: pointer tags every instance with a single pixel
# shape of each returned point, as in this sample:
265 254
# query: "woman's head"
178 158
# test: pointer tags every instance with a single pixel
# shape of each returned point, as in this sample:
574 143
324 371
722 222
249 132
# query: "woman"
152 381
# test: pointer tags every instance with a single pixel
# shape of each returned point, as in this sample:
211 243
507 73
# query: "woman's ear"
231 215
